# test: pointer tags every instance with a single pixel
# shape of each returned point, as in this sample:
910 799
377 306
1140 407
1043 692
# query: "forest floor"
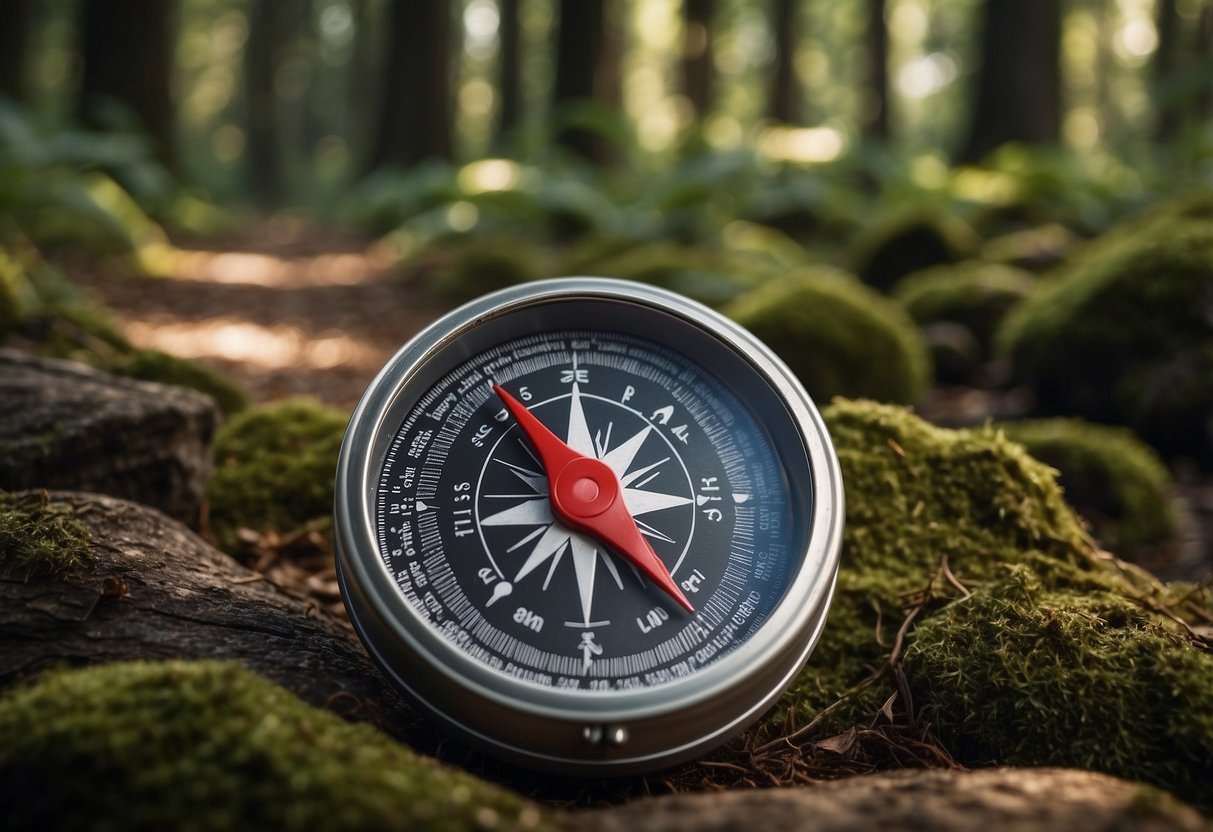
288 309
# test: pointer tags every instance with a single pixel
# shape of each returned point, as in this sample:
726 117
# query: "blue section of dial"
465 527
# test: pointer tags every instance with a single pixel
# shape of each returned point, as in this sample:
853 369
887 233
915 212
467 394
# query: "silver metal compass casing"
585 732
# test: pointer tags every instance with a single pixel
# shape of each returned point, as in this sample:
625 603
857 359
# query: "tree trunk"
14 50
1166 60
510 80
876 107
587 72
1204 54
127 56
697 74
1017 90
784 94
266 25
415 112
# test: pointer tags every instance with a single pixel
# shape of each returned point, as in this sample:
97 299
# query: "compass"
589 525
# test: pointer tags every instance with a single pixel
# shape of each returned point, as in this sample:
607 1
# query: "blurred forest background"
991 209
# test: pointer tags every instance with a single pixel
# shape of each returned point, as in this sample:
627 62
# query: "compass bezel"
546 727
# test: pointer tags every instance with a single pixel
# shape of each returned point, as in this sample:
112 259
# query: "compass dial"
589 525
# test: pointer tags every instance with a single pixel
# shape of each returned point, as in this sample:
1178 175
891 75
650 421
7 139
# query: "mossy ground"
1019 674
1122 335
1118 483
209 746
38 537
936 521
840 337
153 365
274 469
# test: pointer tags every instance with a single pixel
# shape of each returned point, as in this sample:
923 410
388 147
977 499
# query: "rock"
210 746
65 425
149 588
840 337
1009 800
1124 334
908 241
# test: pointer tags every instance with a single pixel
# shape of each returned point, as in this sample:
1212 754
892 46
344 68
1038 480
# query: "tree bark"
876 109
415 107
785 97
510 79
1169 116
697 69
1017 91
14 50
157 591
127 56
587 73
262 50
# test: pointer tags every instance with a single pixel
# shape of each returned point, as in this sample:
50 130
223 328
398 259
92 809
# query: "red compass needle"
586 495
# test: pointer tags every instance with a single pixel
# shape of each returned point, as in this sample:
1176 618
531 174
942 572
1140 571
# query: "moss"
917 497
208 746
975 295
1034 249
708 275
1123 336
485 265
840 337
1115 481
910 241
274 469
153 365
1020 674
12 280
38 537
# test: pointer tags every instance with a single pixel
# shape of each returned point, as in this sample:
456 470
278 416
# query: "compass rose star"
554 540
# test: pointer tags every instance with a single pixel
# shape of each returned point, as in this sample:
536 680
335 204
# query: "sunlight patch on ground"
252 268
276 347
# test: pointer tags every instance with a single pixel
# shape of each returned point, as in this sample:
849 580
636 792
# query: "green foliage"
910 240
1113 480
1022 674
975 295
209 746
840 337
1123 335
12 285
62 188
476 267
274 469
153 365
38 537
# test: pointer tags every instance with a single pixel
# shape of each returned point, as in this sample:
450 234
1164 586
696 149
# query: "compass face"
467 527
589 525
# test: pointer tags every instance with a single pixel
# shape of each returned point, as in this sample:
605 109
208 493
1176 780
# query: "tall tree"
1166 60
784 100
14 49
1016 96
267 29
587 71
510 80
127 56
697 73
416 103
876 107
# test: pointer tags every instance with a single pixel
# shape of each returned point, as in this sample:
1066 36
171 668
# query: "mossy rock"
479 266
1124 336
1033 249
1019 673
708 275
840 337
919 497
153 365
38 537
1115 481
275 466
209 746
910 241
975 295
